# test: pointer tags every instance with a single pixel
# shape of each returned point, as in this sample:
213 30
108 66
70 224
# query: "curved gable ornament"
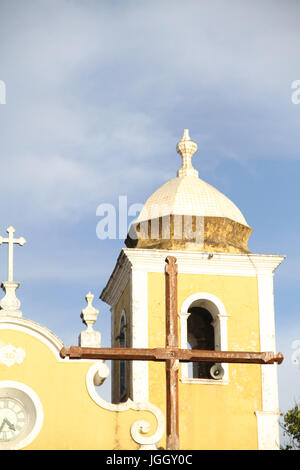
34 329
96 375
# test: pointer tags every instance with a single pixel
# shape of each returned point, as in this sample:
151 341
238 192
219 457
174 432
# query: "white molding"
38 410
39 332
112 343
196 262
190 380
217 309
267 430
33 329
191 262
138 427
117 281
268 417
139 332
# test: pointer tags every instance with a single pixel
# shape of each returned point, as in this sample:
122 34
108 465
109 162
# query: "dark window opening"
201 335
122 364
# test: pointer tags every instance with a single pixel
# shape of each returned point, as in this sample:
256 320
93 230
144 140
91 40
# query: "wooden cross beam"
171 355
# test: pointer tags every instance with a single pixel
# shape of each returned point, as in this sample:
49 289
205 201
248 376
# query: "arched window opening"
203 325
122 364
201 335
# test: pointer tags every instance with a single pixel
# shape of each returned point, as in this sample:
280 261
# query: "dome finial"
186 148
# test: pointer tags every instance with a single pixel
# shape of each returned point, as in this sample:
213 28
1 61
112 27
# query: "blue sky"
98 95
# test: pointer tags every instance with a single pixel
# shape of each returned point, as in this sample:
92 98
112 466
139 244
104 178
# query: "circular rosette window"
21 415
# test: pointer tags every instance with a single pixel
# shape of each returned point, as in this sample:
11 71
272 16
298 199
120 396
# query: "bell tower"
225 302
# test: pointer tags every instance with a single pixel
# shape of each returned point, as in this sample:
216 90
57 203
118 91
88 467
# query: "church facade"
225 303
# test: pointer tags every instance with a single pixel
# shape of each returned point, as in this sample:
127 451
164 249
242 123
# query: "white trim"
192 262
196 262
139 332
33 329
268 417
117 281
217 309
39 332
112 342
190 380
138 427
38 409
267 425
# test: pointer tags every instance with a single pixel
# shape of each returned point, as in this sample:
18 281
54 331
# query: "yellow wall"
72 420
213 416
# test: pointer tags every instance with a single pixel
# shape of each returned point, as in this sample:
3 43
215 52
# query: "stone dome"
215 222
189 195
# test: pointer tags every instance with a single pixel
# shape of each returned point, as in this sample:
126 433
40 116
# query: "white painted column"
139 333
268 417
112 342
184 342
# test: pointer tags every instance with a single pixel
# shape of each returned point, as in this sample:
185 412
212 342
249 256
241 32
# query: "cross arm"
17 241
137 354
164 354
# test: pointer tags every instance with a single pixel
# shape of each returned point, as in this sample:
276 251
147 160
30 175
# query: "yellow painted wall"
213 416
72 420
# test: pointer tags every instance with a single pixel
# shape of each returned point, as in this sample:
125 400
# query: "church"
50 397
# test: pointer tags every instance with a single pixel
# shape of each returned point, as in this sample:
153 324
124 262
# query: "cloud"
98 95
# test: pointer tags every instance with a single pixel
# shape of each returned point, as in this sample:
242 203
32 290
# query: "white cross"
11 241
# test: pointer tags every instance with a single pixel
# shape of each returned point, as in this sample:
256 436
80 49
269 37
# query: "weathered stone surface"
193 233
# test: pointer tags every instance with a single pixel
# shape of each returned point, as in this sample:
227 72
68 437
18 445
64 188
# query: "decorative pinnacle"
186 148
89 337
89 314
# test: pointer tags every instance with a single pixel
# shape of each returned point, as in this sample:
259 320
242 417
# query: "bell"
217 371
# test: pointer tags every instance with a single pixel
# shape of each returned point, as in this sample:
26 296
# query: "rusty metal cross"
172 355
